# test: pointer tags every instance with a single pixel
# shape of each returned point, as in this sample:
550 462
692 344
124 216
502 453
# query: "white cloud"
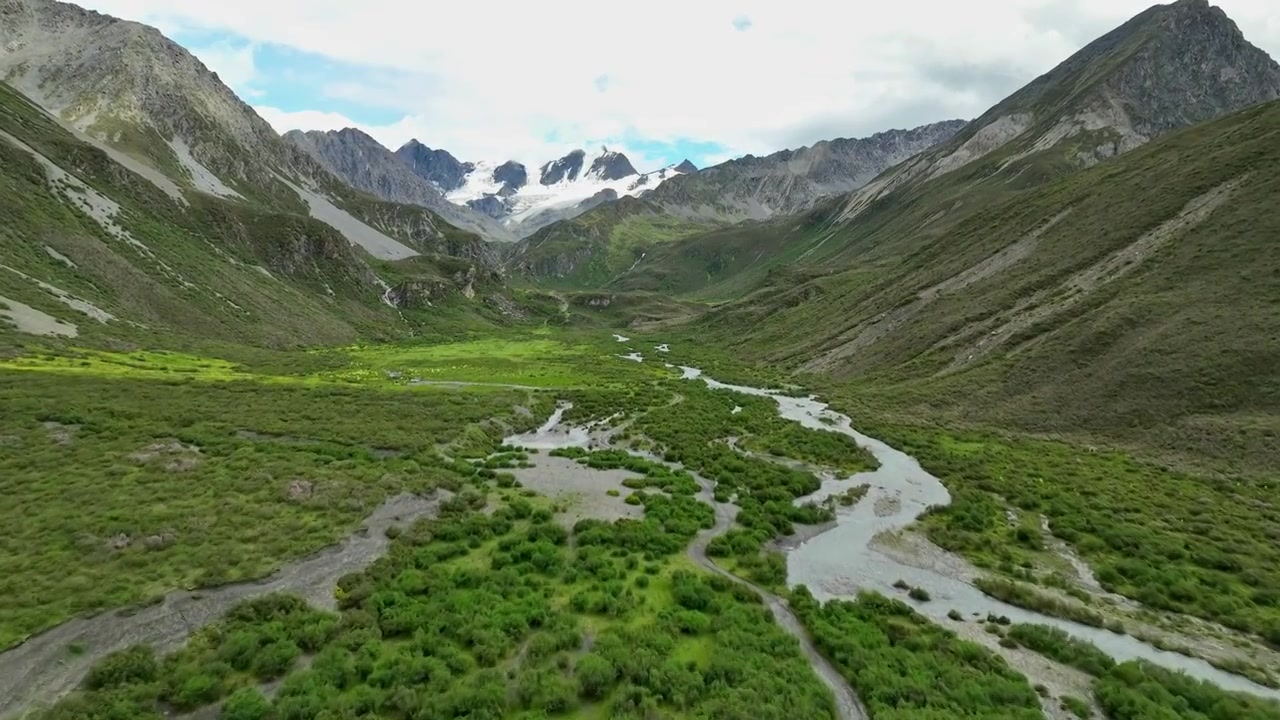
493 79
396 134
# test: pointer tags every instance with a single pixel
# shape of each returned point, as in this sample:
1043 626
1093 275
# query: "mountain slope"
155 109
143 191
363 163
1169 67
791 181
596 247
589 250
1160 70
94 250
1135 300
438 167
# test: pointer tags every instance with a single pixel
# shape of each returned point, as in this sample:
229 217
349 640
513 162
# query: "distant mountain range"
507 201
745 189
500 201
525 201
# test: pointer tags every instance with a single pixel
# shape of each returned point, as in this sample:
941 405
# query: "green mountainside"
1138 299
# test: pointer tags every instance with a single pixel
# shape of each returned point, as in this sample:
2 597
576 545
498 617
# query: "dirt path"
848 706
42 669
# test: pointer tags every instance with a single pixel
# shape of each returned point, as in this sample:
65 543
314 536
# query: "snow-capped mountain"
525 201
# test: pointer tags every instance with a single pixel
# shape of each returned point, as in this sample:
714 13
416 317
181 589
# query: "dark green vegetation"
903 666
120 488
1086 346
694 431
1170 549
1056 644
485 616
1139 690
589 250
1076 706
1028 597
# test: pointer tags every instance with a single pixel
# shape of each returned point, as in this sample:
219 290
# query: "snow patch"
634 357
67 298
202 177
34 322
620 338
663 348
59 257
736 409
356 232
535 198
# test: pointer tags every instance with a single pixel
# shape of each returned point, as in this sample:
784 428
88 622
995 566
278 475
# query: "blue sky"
511 79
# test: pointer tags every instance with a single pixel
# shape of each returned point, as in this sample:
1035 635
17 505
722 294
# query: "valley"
696 481
971 420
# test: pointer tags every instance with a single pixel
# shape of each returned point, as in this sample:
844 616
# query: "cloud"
742 23
510 78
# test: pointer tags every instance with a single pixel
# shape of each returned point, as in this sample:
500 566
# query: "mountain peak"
686 167
566 168
511 175
439 167
1166 68
611 166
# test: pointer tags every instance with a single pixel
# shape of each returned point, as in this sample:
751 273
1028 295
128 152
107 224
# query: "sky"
661 80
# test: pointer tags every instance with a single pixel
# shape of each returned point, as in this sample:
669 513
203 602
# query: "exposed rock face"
611 166
422 292
438 167
427 234
511 175
687 167
791 181
566 168
366 165
491 205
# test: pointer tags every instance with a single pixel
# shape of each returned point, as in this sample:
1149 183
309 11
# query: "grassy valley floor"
134 474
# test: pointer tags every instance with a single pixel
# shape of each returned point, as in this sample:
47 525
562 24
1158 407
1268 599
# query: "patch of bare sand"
582 490
914 550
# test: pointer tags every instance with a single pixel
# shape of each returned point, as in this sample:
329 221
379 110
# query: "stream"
842 560
837 562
